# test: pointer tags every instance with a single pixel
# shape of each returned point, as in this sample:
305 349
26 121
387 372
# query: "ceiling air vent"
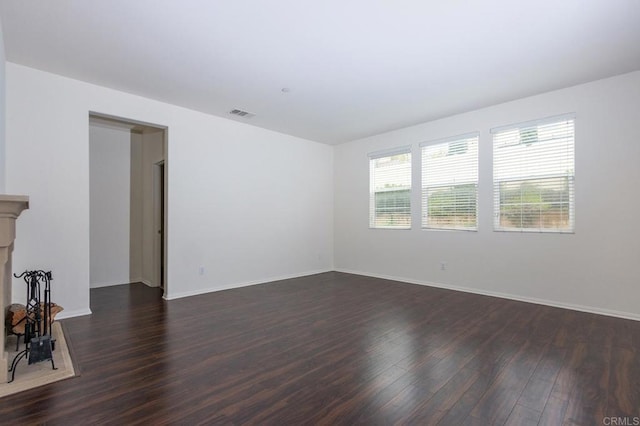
241 113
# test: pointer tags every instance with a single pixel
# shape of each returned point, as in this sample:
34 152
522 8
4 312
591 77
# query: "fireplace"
10 208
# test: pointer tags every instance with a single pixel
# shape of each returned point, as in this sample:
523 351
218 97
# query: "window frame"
373 213
446 143
569 176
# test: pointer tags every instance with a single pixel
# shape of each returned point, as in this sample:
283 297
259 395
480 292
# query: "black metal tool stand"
38 343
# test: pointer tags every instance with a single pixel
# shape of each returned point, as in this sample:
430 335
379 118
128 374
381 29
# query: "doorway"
159 218
128 202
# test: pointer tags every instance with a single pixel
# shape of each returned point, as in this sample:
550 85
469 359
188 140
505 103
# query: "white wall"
593 269
250 205
247 204
2 114
135 202
109 178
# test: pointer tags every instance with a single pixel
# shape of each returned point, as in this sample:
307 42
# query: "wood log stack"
15 319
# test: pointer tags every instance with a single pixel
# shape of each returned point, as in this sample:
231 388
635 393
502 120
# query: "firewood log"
16 317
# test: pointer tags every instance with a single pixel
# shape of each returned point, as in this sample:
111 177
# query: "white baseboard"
546 302
146 282
70 314
172 296
107 284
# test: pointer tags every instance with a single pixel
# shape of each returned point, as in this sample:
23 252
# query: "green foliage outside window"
393 208
539 203
452 205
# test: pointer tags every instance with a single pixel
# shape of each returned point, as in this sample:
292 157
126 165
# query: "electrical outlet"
443 265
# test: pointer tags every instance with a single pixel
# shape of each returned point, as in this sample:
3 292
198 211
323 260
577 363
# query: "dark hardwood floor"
337 349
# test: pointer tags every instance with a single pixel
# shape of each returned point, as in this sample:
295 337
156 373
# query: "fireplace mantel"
10 208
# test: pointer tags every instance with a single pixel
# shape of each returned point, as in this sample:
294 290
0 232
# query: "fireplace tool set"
39 345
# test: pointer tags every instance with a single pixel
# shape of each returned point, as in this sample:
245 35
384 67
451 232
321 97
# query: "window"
450 183
390 189
533 176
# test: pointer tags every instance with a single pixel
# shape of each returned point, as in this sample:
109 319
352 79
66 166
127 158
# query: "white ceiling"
354 67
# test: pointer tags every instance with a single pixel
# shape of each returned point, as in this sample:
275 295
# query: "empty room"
289 212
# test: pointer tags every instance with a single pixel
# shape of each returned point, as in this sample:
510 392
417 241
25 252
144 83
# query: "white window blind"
450 183
533 176
390 189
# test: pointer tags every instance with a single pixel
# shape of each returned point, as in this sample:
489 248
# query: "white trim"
390 152
107 284
132 281
546 302
71 314
400 228
463 137
147 283
530 123
243 284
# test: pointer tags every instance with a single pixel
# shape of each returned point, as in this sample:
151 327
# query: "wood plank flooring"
339 349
